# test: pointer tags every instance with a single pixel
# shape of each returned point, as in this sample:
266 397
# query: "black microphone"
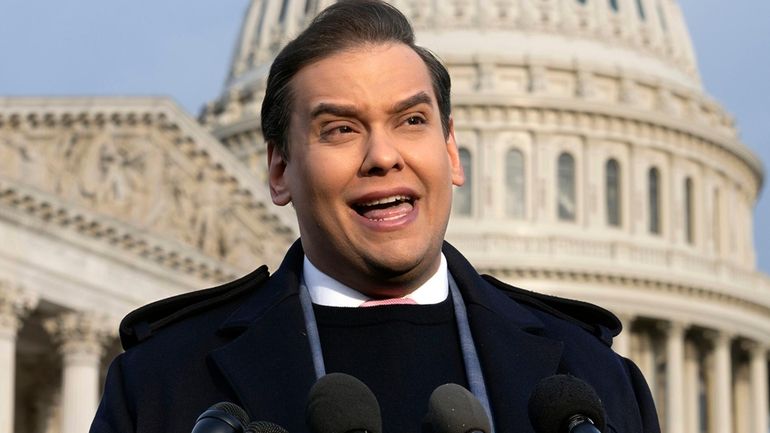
264 427
566 404
340 403
453 409
223 417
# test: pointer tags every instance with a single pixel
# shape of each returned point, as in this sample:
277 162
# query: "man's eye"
415 120
342 129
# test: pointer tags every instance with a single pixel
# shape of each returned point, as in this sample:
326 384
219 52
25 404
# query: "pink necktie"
389 301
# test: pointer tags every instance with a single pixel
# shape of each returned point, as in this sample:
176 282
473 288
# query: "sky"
182 49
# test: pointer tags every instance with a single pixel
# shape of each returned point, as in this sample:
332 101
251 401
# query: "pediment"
141 175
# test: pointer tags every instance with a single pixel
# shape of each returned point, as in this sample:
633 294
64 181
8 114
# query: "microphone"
566 404
223 417
453 409
264 427
340 403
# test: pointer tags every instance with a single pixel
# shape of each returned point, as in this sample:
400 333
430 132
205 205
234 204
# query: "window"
463 197
284 10
653 193
614 5
688 211
716 222
612 192
640 9
662 16
565 198
515 196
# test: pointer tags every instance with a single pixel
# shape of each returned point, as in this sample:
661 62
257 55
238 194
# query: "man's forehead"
323 76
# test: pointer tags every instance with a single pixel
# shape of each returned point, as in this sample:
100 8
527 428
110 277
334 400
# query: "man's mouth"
386 208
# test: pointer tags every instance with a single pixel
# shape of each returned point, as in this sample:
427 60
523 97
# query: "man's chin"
400 274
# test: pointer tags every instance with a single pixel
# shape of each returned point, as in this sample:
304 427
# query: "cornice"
658 285
54 216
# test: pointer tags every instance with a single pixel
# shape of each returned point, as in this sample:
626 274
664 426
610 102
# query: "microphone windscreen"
557 398
264 427
223 417
232 409
453 409
340 403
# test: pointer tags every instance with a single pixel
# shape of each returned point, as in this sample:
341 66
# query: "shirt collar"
325 290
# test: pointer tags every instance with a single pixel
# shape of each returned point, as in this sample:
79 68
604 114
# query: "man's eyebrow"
334 110
416 99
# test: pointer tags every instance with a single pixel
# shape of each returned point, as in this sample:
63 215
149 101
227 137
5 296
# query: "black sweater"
402 352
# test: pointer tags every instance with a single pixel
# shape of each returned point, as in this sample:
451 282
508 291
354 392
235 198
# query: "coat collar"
269 365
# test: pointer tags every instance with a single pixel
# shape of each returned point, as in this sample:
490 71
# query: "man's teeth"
386 200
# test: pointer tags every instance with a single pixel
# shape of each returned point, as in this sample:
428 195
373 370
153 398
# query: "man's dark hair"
343 25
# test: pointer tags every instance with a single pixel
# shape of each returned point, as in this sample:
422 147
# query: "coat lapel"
269 365
513 357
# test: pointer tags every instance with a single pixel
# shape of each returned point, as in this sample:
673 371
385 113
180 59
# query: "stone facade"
106 205
598 169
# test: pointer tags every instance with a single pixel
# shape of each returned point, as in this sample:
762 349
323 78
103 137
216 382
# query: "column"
723 395
741 394
644 356
268 29
14 304
675 414
81 338
293 20
622 342
691 385
759 396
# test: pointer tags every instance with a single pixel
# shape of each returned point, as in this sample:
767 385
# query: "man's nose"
382 155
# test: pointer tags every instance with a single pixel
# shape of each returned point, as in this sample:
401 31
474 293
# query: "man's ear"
276 166
458 175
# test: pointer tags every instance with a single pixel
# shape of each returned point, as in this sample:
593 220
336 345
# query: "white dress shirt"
325 290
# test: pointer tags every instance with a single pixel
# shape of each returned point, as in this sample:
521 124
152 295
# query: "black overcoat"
245 342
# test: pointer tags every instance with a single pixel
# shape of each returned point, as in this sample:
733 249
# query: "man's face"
370 171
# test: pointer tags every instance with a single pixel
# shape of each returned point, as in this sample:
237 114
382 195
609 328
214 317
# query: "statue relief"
137 177
14 156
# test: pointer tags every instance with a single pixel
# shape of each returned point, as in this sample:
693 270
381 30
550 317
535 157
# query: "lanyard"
470 357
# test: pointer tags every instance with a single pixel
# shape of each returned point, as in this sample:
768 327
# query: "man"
361 143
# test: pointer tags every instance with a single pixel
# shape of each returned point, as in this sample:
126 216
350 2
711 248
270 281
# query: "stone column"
81 338
759 391
622 342
723 387
691 388
644 357
741 396
675 414
14 304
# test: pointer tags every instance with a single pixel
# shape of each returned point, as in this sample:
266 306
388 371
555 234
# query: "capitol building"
597 166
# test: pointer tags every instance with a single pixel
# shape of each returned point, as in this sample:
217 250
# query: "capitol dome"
597 168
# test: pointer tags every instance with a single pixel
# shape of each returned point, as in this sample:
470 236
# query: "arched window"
640 9
612 192
662 16
463 195
284 10
689 229
716 222
565 199
515 195
653 195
